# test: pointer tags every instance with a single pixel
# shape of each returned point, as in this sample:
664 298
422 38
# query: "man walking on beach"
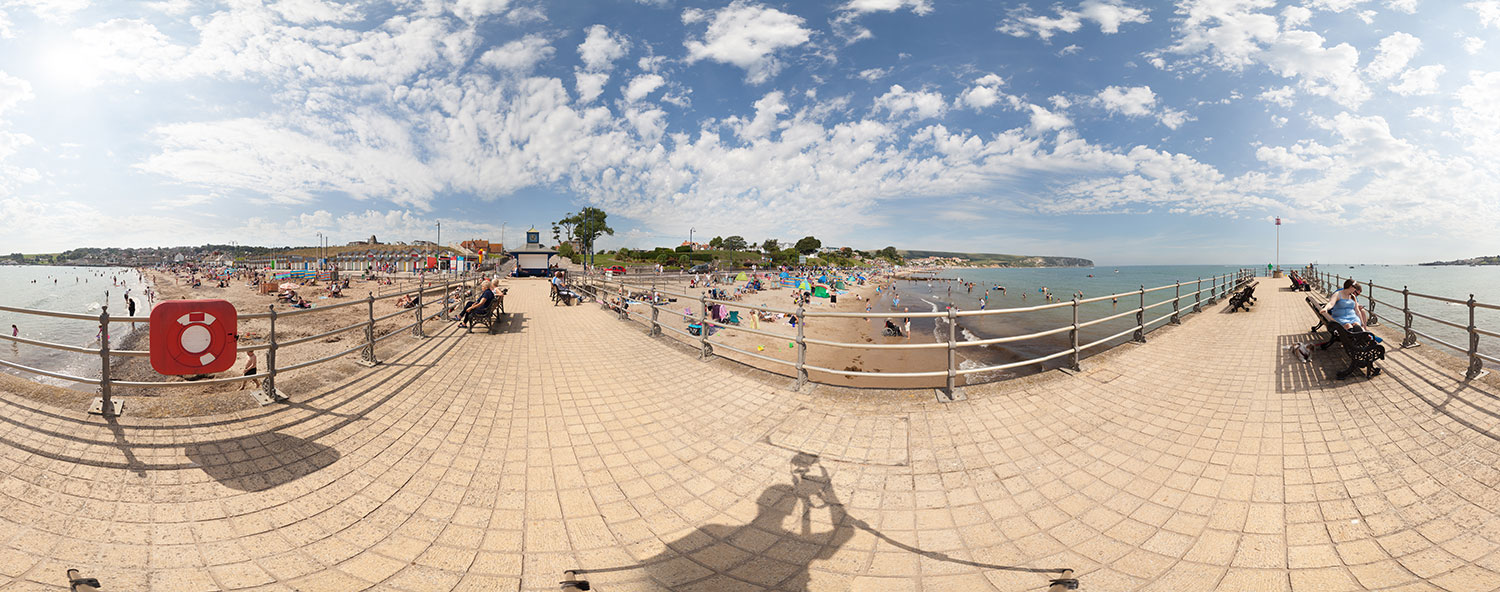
250 369
130 306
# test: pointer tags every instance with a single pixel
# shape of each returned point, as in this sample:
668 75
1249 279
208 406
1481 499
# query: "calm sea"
65 289
1027 287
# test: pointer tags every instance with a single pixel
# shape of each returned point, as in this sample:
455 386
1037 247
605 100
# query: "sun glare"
69 65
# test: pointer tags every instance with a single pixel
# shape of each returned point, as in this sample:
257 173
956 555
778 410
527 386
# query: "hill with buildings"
991 259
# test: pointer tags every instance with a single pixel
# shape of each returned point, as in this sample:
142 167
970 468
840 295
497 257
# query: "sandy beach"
845 330
209 399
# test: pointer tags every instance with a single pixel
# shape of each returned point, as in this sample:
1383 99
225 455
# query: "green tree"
568 223
735 243
587 225
682 261
684 248
556 233
890 253
566 250
663 259
808 245
770 246
716 243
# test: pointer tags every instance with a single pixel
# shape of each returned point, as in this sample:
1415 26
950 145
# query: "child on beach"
250 369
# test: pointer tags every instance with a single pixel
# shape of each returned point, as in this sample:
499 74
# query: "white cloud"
474 10
1108 14
1043 120
1295 16
1133 101
519 56
901 103
984 93
1323 71
315 11
1069 50
13 91
863 6
747 35
1406 6
768 111
1488 12
873 74
1392 55
1477 118
54 11
171 7
642 86
1419 81
1473 45
1281 96
588 85
601 48
1174 118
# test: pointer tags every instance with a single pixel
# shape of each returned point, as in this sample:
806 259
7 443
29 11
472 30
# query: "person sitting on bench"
479 306
1344 307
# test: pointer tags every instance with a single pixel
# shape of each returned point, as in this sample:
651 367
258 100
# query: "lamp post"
440 237
1278 244
320 250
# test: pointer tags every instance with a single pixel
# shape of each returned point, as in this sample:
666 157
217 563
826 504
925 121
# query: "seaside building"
533 258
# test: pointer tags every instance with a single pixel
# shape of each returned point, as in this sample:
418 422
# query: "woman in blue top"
1344 308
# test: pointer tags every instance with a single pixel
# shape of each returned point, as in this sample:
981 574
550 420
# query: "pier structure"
1210 458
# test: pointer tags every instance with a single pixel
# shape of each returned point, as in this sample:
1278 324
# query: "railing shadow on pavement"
1319 373
1469 394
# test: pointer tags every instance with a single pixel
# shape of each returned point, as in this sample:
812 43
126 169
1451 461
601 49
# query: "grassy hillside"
1002 260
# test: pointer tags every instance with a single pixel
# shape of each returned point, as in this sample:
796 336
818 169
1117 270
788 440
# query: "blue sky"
1123 131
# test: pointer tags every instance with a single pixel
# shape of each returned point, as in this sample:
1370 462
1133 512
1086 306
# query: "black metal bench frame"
1242 299
1300 284
491 317
1359 344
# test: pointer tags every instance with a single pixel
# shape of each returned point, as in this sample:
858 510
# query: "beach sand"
198 400
845 330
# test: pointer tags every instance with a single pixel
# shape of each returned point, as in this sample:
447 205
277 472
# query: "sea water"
1027 287
84 290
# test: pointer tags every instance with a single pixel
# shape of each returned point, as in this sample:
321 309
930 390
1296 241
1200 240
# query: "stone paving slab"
1208 458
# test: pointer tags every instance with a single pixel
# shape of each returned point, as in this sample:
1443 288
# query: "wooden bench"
1300 284
489 318
1242 299
1360 345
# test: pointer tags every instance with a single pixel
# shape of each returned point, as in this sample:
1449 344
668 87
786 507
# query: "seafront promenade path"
1206 459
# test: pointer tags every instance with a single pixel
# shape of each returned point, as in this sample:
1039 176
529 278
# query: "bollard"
1140 318
1073 336
801 348
103 405
368 358
952 350
1410 340
1476 365
1176 302
703 328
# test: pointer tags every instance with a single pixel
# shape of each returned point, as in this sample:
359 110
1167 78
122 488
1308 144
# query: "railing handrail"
1331 282
104 406
624 286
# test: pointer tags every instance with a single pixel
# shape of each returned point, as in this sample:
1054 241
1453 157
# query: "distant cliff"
1491 260
1000 260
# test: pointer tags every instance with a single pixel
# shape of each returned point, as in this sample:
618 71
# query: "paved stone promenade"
1207 459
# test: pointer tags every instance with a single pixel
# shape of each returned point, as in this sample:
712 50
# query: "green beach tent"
820 292
741 277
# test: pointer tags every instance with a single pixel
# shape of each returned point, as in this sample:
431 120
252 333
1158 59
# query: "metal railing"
613 292
1328 283
105 405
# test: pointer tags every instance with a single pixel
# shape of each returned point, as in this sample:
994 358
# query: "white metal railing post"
1140 318
270 382
1073 336
655 314
703 327
1176 308
1213 289
952 349
104 405
368 358
1410 339
416 330
1476 365
801 347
